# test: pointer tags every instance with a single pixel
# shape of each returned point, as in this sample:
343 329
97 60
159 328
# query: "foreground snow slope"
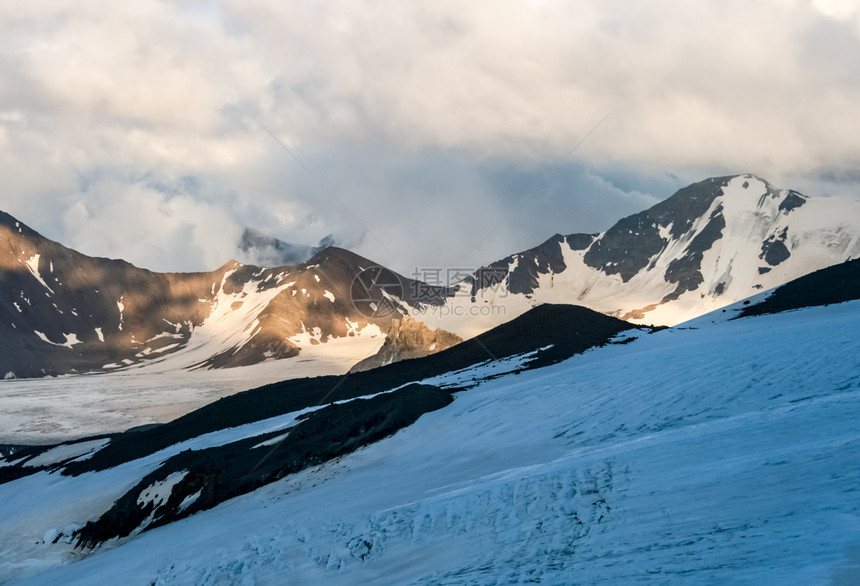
725 452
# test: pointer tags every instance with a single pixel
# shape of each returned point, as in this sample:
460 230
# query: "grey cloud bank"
131 130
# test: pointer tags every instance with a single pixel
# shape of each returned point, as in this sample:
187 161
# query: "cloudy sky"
444 133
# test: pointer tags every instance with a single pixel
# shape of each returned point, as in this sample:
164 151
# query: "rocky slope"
408 338
64 312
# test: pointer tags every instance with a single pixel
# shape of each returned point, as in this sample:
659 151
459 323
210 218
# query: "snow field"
724 453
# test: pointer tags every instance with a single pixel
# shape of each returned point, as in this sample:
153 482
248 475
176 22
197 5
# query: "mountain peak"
263 250
709 244
338 254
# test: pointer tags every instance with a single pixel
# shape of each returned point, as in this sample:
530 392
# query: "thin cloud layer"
438 133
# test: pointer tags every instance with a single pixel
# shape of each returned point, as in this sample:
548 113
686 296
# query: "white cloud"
144 95
728 83
172 231
838 9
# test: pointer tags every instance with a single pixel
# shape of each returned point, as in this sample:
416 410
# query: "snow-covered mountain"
64 312
564 447
708 245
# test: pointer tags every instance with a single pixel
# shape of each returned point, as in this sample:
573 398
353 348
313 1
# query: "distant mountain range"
64 312
708 245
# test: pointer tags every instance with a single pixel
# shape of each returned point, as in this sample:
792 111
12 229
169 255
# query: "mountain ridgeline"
64 312
710 244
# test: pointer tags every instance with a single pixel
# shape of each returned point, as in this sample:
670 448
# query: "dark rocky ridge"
551 332
22 456
835 284
774 250
627 247
81 294
547 258
686 271
211 476
544 258
221 473
9 449
631 246
792 201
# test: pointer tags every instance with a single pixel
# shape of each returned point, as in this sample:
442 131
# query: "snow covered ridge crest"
711 244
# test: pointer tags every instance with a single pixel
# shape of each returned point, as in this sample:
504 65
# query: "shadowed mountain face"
61 311
549 333
710 244
64 312
627 248
203 479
